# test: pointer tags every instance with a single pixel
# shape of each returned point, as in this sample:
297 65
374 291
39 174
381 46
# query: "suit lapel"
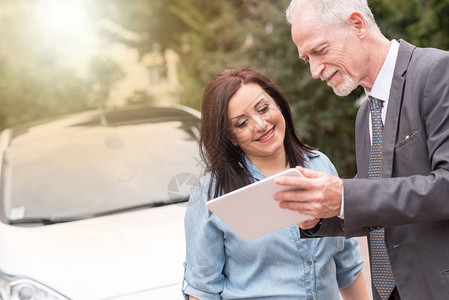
394 107
362 140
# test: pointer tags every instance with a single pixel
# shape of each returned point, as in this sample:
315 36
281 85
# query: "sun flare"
67 31
63 17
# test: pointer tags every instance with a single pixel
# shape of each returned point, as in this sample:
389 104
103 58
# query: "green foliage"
32 83
104 73
424 23
151 20
29 92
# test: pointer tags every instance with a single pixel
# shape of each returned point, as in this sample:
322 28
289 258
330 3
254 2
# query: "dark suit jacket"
412 203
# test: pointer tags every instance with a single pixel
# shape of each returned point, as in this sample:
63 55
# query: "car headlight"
15 288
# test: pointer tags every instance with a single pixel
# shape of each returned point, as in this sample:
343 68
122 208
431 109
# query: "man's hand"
319 195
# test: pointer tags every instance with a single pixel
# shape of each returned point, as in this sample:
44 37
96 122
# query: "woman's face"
257 125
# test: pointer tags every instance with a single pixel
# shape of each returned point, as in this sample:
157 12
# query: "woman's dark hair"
224 160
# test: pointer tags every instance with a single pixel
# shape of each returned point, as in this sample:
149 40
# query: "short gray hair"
333 12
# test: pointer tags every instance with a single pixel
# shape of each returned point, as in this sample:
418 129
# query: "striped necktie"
382 275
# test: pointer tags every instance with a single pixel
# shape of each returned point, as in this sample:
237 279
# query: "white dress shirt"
380 90
382 85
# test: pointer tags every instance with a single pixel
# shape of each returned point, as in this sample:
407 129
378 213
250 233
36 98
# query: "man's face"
332 53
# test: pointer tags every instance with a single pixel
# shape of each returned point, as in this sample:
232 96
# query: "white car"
92 205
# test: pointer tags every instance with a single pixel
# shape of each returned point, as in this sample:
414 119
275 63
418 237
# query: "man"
400 196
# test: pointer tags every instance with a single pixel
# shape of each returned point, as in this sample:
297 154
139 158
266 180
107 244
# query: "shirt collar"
382 85
254 170
257 175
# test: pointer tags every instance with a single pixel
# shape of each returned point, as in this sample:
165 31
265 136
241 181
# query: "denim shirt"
222 265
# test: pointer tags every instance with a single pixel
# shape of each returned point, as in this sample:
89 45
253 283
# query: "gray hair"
333 12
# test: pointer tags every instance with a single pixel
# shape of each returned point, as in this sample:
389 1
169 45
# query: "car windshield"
88 170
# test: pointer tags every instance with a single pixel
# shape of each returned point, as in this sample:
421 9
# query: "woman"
247 134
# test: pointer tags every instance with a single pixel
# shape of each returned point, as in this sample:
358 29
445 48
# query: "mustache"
329 74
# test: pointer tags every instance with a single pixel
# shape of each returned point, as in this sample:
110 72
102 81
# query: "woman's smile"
267 136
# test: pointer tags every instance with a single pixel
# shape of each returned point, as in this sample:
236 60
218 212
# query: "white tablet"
252 212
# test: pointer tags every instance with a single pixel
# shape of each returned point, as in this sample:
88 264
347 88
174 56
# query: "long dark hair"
223 160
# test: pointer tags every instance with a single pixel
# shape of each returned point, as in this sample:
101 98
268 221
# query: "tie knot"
374 103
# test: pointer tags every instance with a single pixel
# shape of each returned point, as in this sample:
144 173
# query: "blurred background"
63 56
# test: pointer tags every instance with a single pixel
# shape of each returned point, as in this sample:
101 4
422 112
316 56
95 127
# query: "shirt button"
309 263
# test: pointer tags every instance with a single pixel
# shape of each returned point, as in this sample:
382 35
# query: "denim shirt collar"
254 170
257 174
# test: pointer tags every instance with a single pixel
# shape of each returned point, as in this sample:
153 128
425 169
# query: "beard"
346 87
